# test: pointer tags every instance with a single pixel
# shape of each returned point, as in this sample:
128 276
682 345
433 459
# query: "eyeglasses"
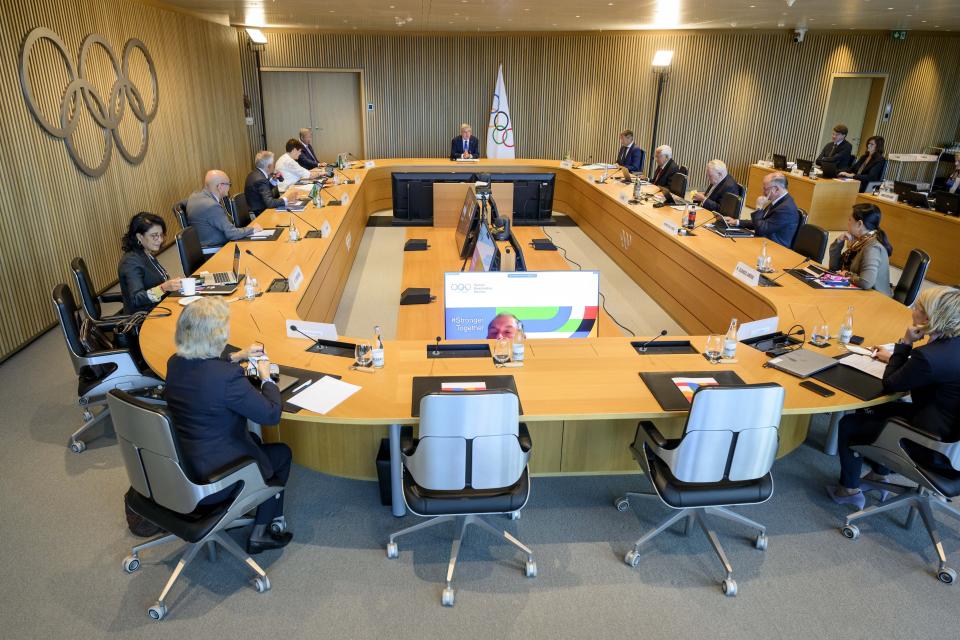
155 236
224 184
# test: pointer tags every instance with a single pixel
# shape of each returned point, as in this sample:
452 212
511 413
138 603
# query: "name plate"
325 229
765 164
671 227
566 164
747 274
797 172
295 279
345 198
892 197
349 240
368 164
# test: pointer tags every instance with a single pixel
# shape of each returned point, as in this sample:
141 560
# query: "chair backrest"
468 439
240 210
180 211
191 253
914 271
742 192
678 183
801 220
66 309
811 241
732 433
88 295
731 205
683 169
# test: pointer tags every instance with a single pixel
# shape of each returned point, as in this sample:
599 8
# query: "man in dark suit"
308 158
261 186
207 214
630 155
778 218
465 145
666 167
721 182
838 149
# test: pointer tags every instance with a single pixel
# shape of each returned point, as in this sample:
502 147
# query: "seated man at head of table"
261 185
776 217
629 155
721 182
288 166
308 158
666 167
838 149
206 212
504 325
465 145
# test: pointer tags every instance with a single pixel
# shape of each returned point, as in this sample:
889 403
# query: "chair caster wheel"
446 598
261 584
131 564
278 526
729 587
632 558
78 446
530 570
850 531
514 515
622 504
761 542
946 575
157 611
392 550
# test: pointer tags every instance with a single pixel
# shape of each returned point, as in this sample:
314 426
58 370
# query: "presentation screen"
550 304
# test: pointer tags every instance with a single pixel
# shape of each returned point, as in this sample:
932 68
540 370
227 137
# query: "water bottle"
518 349
846 329
762 258
249 287
637 191
377 348
730 341
294 234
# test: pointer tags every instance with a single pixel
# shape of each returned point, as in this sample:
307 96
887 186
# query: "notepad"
866 364
266 233
689 386
324 395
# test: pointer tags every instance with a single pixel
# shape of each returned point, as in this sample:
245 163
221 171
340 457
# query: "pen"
305 384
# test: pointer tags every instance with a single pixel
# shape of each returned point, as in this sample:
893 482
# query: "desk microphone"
250 253
301 220
802 262
346 179
436 347
333 203
293 327
643 347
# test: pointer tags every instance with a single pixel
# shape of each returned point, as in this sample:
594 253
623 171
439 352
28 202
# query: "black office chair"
914 271
90 300
165 494
678 184
741 191
191 253
932 464
240 210
471 459
682 169
722 459
99 366
731 205
180 212
801 220
811 241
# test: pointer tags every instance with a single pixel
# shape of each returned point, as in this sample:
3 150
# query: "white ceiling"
579 15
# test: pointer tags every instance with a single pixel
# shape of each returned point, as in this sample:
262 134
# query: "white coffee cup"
188 286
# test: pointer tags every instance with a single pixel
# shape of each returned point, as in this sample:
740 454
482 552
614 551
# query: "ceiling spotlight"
256 36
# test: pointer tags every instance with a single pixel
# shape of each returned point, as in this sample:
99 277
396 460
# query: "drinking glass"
501 350
364 353
821 334
714 348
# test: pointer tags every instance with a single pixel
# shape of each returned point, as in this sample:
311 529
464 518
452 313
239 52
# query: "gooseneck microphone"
301 220
643 347
346 179
802 262
293 327
436 347
335 200
250 253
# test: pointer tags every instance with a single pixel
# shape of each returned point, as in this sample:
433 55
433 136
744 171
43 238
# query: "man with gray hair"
308 158
777 217
666 167
465 146
207 213
261 185
721 182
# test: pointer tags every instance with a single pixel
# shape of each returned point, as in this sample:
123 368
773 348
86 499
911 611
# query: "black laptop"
829 168
917 199
779 162
805 166
721 228
903 188
948 203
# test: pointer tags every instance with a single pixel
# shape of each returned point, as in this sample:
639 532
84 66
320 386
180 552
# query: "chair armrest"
230 469
407 444
110 297
896 430
651 434
526 443
209 251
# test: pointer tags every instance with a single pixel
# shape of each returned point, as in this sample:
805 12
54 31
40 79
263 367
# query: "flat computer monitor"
805 166
829 168
948 203
779 162
917 199
549 304
903 188
486 255
466 234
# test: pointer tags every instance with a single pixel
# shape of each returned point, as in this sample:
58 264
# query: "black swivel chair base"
461 523
919 500
690 515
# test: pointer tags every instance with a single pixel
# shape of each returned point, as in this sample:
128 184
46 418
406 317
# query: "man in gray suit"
208 214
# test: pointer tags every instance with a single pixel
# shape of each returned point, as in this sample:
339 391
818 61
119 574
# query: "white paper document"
597 165
324 395
266 233
864 363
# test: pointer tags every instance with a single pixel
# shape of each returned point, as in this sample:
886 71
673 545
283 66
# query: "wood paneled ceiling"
488 16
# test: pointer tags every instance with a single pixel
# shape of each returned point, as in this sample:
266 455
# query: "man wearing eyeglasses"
207 212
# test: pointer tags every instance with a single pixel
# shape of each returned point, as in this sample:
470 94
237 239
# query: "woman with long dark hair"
143 280
868 167
862 252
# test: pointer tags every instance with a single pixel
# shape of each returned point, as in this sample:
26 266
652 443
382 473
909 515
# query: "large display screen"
467 223
485 252
549 304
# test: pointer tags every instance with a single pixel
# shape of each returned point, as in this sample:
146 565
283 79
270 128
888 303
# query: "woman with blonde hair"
930 373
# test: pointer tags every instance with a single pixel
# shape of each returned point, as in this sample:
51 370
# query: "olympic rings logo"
462 288
502 131
109 113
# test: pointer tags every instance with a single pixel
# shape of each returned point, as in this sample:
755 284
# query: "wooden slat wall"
49 211
735 95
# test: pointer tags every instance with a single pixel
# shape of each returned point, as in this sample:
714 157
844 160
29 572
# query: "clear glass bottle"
846 329
730 341
518 348
249 286
378 359
762 258
293 234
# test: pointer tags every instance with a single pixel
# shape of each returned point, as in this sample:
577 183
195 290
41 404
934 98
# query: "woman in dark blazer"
143 280
211 400
868 167
931 373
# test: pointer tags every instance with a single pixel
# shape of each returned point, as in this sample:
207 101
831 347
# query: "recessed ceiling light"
576 16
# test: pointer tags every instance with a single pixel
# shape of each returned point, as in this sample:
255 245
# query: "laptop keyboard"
222 277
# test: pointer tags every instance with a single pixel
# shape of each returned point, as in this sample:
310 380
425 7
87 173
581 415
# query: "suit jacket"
871 265
661 175
631 157
211 401
209 217
138 273
931 373
841 153
778 222
867 172
727 185
456 147
260 193
308 159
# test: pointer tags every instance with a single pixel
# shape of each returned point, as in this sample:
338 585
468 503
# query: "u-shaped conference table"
581 398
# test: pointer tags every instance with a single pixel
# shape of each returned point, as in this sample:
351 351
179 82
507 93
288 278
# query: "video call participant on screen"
776 216
261 185
721 182
465 145
838 149
143 280
308 159
206 212
504 325
629 155
869 167
666 167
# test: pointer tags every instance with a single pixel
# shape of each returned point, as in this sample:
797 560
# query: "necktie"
465 143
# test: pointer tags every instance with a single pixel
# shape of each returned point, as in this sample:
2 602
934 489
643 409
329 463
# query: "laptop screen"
236 259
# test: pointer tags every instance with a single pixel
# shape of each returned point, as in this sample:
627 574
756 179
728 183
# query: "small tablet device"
817 389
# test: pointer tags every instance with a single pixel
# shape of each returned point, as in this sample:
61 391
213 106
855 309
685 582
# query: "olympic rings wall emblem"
107 113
